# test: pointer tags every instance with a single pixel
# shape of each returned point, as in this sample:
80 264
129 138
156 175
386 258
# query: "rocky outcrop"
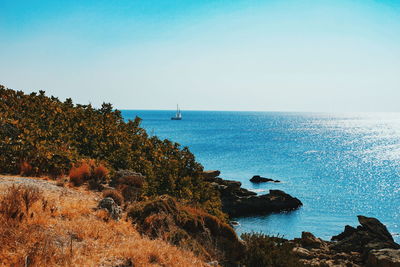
258 179
371 234
238 201
113 209
384 258
370 244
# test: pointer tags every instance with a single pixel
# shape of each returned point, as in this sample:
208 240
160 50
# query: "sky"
300 55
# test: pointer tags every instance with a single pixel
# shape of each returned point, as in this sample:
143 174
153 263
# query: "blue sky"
207 55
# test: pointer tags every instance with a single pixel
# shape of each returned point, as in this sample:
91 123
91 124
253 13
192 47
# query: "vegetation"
63 229
43 135
186 227
264 250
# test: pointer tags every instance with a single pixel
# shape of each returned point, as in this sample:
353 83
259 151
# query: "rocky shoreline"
239 202
370 244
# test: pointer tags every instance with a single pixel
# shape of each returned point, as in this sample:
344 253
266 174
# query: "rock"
211 175
348 231
308 240
237 205
234 223
213 263
302 253
259 179
113 209
371 234
373 225
238 201
384 258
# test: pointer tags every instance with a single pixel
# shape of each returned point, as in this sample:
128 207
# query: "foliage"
88 170
51 136
115 195
268 251
187 227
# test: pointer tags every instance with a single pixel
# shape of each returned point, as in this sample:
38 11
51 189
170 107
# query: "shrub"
80 174
187 227
29 196
17 201
114 194
26 169
264 250
135 181
88 170
100 172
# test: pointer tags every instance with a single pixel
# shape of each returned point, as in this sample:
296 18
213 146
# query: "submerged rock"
259 179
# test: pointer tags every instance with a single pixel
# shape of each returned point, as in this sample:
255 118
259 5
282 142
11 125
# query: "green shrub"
267 251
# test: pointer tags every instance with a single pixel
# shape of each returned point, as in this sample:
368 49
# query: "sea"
338 165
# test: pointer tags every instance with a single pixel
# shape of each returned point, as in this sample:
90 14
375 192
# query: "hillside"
63 227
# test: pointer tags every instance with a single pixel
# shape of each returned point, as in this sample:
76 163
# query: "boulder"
259 179
374 226
237 205
302 253
211 175
384 258
238 201
113 209
308 240
371 234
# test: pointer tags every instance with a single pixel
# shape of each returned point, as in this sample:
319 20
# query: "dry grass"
65 230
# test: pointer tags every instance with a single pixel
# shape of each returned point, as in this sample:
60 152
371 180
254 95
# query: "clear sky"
208 55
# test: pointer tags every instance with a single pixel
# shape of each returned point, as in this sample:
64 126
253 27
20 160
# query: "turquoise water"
338 165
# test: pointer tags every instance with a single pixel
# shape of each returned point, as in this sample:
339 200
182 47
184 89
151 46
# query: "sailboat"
178 115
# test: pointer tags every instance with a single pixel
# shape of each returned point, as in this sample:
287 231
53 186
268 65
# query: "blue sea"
338 165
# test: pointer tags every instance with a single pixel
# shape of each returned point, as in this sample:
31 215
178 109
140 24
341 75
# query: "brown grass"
65 230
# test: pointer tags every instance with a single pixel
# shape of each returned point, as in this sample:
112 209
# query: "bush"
80 174
100 172
17 201
264 250
114 194
187 227
26 169
88 170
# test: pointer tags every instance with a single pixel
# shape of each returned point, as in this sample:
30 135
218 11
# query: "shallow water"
338 165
